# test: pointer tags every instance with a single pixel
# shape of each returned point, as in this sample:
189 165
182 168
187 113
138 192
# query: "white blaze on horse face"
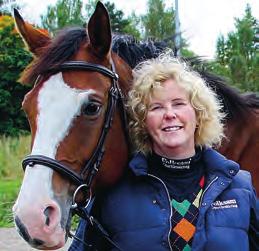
58 105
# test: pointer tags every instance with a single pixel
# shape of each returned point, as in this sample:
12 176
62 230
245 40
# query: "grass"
12 151
8 193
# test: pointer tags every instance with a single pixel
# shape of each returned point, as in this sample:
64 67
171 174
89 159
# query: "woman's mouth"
172 128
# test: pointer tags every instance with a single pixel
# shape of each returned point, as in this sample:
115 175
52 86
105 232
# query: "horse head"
76 122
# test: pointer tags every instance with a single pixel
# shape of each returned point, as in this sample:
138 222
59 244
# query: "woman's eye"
179 103
155 107
91 109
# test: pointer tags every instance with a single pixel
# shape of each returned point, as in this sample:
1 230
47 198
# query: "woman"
179 193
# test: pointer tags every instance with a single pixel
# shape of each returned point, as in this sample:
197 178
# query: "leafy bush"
13 59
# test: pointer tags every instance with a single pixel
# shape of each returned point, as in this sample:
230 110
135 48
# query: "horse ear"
34 38
99 30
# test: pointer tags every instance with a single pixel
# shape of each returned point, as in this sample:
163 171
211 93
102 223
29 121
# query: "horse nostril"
47 212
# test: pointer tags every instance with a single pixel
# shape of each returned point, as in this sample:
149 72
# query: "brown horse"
75 111
241 143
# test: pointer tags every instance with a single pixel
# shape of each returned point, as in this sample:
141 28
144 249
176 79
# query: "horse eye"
91 109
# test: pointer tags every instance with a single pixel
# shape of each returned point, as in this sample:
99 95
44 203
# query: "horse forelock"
61 49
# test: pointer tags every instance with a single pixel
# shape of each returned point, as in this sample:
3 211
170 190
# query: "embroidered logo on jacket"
224 204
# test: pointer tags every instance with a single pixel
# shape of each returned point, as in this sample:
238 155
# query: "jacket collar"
138 164
218 165
215 163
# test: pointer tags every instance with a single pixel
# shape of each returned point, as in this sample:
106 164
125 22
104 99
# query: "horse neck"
242 144
238 134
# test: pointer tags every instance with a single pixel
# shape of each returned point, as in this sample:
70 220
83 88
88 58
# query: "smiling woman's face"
171 121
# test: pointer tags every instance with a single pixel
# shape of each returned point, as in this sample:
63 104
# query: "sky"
201 20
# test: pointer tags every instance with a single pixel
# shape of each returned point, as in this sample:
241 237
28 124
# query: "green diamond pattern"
181 207
187 248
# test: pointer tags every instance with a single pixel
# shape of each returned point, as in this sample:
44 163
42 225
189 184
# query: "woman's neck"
174 153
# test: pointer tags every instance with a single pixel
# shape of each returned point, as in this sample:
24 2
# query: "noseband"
92 165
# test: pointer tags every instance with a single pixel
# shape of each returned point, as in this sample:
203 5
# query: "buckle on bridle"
74 205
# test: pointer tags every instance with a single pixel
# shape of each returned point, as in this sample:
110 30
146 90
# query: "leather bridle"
92 165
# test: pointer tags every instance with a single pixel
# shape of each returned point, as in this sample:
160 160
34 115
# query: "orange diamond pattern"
185 229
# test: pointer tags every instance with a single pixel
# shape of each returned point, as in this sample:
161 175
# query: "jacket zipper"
205 190
168 196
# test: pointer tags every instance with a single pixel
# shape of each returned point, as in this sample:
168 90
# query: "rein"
92 165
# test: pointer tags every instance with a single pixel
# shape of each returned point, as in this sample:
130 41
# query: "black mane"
133 51
235 105
61 49
68 41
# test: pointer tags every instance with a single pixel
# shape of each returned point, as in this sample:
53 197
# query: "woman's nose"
170 113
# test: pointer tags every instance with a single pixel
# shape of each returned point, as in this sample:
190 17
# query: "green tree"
119 23
90 7
64 13
134 27
6 6
13 59
237 54
158 22
70 13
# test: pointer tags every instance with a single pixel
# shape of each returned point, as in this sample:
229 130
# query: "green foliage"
64 13
133 28
13 59
6 6
8 193
119 23
187 53
237 55
12 151
69 13
89 8
158 22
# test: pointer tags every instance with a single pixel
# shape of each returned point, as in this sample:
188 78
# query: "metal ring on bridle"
74 204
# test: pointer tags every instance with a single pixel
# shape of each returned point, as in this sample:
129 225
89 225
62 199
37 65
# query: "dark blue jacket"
136 212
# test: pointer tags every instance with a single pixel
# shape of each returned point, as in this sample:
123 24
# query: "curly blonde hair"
151 74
